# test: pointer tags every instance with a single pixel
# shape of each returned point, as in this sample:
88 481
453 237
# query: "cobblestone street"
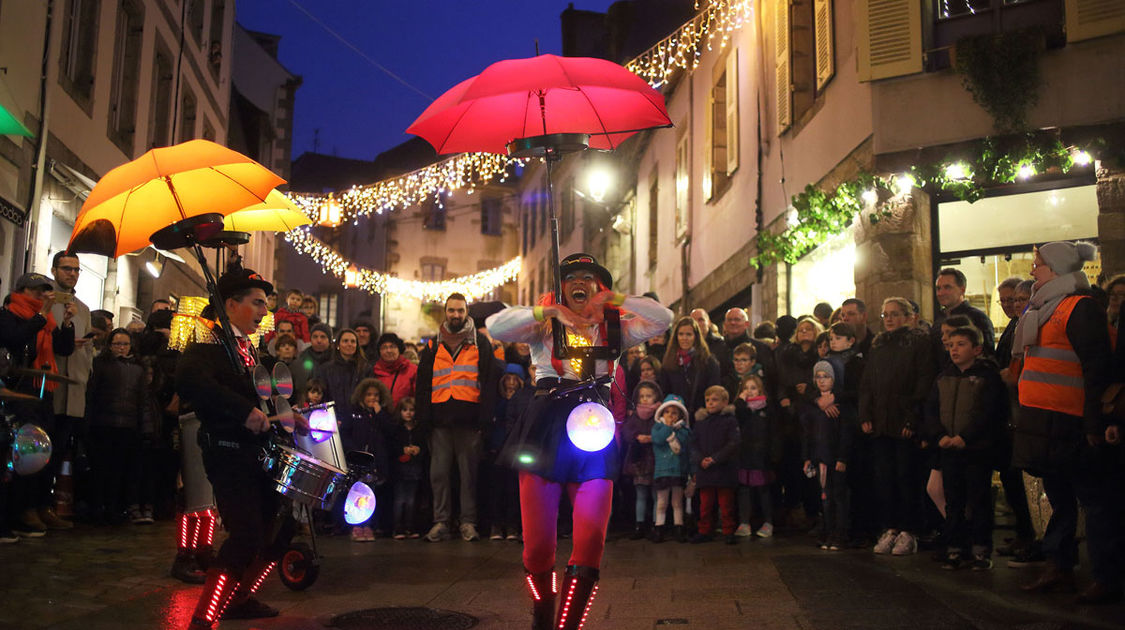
110 578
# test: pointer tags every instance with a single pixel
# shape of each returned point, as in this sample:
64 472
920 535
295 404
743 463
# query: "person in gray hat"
1061 354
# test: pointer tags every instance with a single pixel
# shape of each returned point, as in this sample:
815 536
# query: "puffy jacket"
826 440
972 404
760 441
117 395
300 323
715 436
896 382
669 464
399 377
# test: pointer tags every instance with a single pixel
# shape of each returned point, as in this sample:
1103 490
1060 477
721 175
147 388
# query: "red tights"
539 506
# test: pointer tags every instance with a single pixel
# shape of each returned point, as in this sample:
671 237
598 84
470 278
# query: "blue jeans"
406 495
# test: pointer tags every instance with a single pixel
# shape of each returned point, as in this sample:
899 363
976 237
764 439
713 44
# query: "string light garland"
474 287
682 49
816 215
464 171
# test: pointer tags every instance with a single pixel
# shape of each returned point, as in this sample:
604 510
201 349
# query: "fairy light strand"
474 286
683 48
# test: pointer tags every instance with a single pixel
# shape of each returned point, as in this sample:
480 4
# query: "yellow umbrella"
276 214
162 187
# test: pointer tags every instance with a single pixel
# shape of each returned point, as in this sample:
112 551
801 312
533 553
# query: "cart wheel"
299 567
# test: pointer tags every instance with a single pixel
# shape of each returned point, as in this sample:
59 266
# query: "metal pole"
551 157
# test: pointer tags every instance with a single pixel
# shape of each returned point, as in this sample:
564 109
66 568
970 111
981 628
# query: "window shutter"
1086 19
732 111
783 71
825 44
709 146
890 38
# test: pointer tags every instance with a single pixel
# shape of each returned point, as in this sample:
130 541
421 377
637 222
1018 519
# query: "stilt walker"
194 550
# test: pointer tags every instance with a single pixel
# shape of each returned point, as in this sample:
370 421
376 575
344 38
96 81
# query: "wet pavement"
110 578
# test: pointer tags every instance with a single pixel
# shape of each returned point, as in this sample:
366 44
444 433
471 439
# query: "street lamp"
598 182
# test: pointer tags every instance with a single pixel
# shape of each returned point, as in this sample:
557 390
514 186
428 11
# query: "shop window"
126 75
187 115
720 144
1018 219
160 111
653 213
826 274
491 216
79 48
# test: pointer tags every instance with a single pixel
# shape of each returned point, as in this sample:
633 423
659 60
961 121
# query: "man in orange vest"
1061 353
457 384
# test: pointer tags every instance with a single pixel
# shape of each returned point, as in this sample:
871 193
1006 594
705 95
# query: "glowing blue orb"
322 424
590 426
360 504
31 450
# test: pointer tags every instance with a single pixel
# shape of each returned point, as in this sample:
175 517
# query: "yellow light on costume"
575 340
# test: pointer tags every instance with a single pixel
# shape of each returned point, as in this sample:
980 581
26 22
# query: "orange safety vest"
456 378
1051 377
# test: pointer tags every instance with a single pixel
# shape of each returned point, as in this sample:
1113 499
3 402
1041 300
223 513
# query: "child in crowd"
639 459
407 448
822 345
291 312
314 391
828 429
365 430
758 455
848 363
714 455
503 498
744 358
671 443
967 409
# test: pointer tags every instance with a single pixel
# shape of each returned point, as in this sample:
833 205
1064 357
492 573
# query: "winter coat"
19 337
489 371
70 398
408 467
794 367
826 440
690 382
301 324
639 458
715 436
972 404
667 463
399 377
896 381
496 430
340 379
362 430
848 367
117 395
759 439
308 360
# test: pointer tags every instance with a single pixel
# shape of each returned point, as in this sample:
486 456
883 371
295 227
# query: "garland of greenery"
1001 71
822 214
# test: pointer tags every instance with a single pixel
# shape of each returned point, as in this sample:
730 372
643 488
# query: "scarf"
756 403
26 307
646 411
683 357
396 366
454 338
1044 301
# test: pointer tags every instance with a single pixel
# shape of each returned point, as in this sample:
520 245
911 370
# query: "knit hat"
650 384
160 319
1064 257
324 328
517 369
672 400
824 366
390 337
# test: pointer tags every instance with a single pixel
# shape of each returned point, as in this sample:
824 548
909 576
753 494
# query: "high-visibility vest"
456 378
1051 377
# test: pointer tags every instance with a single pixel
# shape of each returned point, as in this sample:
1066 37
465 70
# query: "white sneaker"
765 531
469 532
438 533
886 542
744 530
905 544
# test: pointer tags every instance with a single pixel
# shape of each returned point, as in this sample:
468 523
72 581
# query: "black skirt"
538 444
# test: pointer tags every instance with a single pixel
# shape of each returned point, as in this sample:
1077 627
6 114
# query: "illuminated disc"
283 379
263 384
31 450
360 504
590 426
322 424
284 414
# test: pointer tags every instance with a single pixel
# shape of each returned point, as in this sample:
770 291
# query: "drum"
198 495
304 478
323 441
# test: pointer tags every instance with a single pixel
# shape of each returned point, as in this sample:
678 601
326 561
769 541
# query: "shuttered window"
1086 19
732 112
825 46
889 38
783 71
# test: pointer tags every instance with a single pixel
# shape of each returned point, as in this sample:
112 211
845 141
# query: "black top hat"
575 262
237 280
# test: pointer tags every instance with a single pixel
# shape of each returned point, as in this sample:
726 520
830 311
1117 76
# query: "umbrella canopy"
521 98
163 186
276 214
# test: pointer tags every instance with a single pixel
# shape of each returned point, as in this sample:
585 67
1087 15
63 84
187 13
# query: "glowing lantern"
590 426
360 504
351 277
329 213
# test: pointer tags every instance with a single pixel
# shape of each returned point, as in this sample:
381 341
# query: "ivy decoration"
822 214
1001 71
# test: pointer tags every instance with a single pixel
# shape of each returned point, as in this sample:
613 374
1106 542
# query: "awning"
78 183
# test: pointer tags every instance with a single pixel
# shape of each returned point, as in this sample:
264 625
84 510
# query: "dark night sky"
431 44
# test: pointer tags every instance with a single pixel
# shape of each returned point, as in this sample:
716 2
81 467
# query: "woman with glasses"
899 374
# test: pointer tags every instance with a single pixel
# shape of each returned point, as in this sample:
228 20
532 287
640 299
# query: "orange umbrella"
162 187
276 214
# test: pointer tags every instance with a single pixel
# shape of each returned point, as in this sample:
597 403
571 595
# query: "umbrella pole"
226 336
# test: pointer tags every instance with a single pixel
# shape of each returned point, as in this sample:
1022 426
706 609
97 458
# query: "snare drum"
325 444
304 478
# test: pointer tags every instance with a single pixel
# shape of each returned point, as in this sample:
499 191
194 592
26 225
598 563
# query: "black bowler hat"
576 262
237 280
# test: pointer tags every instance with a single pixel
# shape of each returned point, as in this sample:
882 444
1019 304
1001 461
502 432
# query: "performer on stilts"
539 448
233 431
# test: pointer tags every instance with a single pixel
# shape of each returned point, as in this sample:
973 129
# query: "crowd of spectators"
866 426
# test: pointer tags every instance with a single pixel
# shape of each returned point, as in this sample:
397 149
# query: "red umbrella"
522 98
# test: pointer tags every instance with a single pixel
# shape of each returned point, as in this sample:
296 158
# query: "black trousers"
896 465
967 477
249 506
